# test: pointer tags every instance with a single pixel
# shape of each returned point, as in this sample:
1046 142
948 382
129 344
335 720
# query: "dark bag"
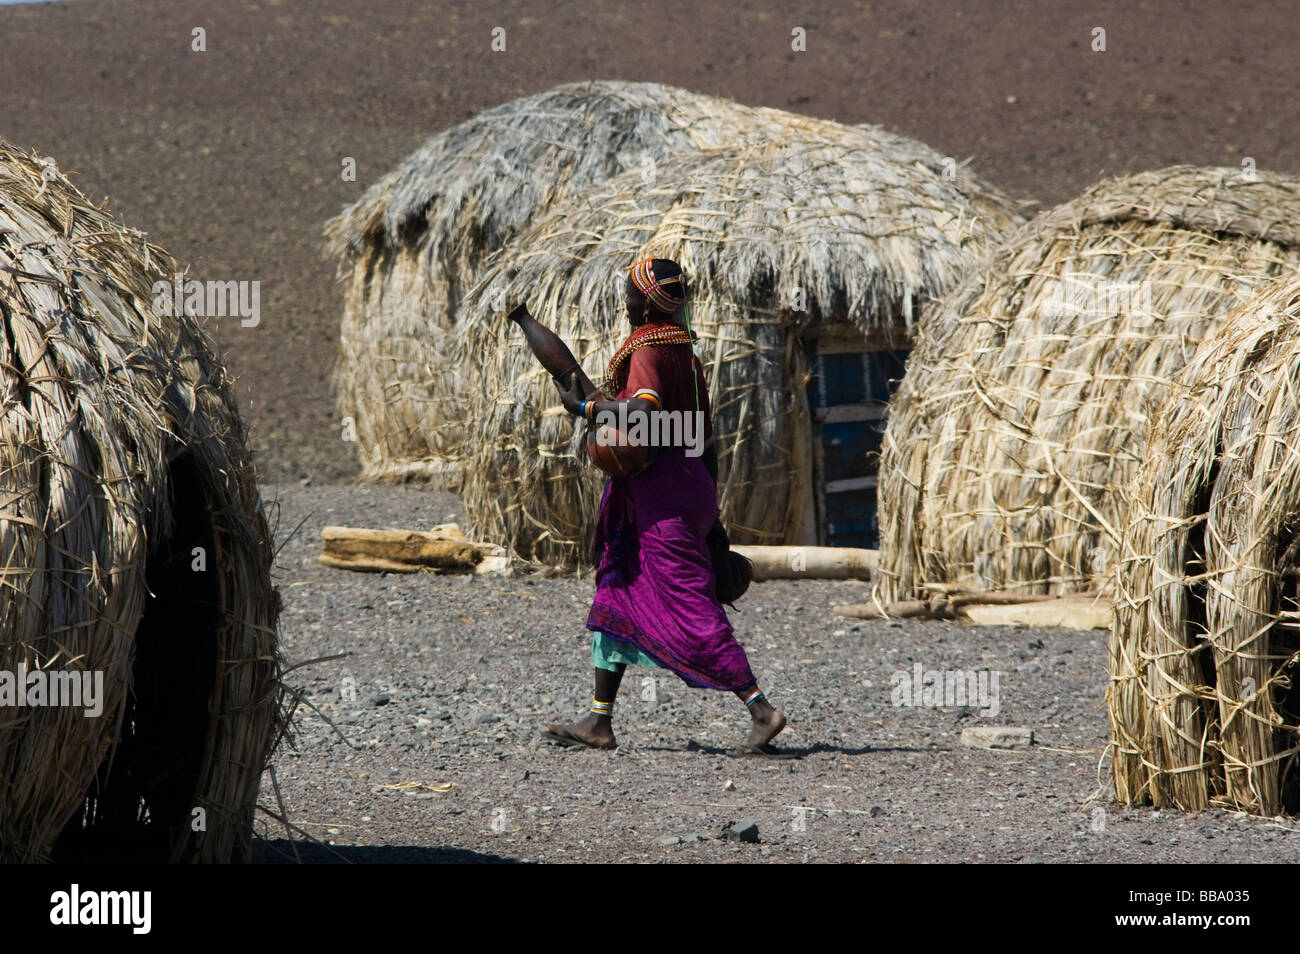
732 571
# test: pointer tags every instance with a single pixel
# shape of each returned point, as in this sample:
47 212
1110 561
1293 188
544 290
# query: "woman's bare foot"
767 724
595 731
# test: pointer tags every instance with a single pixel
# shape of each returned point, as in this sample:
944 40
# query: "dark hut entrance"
852 379
1286 645
139 808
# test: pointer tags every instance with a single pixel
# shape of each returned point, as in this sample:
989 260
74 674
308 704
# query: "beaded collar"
652 333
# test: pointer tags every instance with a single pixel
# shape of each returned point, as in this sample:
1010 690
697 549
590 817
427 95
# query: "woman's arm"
577 399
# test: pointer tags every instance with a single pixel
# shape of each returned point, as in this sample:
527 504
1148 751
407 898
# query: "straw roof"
109 415
1023 411
1207 624
777 238
415 244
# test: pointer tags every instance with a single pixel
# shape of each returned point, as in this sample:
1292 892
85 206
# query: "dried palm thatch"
1203 705
121 452
1023 412
415 244
778 239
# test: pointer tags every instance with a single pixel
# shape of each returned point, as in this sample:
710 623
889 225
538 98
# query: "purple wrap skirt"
655 587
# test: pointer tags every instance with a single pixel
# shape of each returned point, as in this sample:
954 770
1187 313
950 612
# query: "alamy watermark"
75 906
1088 297
210 299
44 687
651 429
947 688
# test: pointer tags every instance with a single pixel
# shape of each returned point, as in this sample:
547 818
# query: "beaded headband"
644 277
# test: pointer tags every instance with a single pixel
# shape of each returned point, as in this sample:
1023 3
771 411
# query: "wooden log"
903 609
942 588
811 563
944 606
370 564
859 611
444 548
1068 612
995 598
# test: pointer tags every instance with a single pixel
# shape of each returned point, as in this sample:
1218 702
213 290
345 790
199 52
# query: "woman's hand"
571 393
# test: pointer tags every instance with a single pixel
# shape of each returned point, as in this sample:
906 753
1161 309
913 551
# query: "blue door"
849 394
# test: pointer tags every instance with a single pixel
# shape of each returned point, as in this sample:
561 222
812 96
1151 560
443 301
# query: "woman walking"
656 600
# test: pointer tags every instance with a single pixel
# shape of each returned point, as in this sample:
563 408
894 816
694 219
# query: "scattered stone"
745 830
996 737
728 786
667 841
379 700
876 811
487 718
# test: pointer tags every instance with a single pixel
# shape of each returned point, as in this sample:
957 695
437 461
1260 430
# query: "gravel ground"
454 674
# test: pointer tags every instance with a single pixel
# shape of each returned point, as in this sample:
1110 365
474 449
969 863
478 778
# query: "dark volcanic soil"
231 157
450 678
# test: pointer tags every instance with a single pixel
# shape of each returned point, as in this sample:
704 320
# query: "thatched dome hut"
1204 706
1024 410
134 546
413 246
797 252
